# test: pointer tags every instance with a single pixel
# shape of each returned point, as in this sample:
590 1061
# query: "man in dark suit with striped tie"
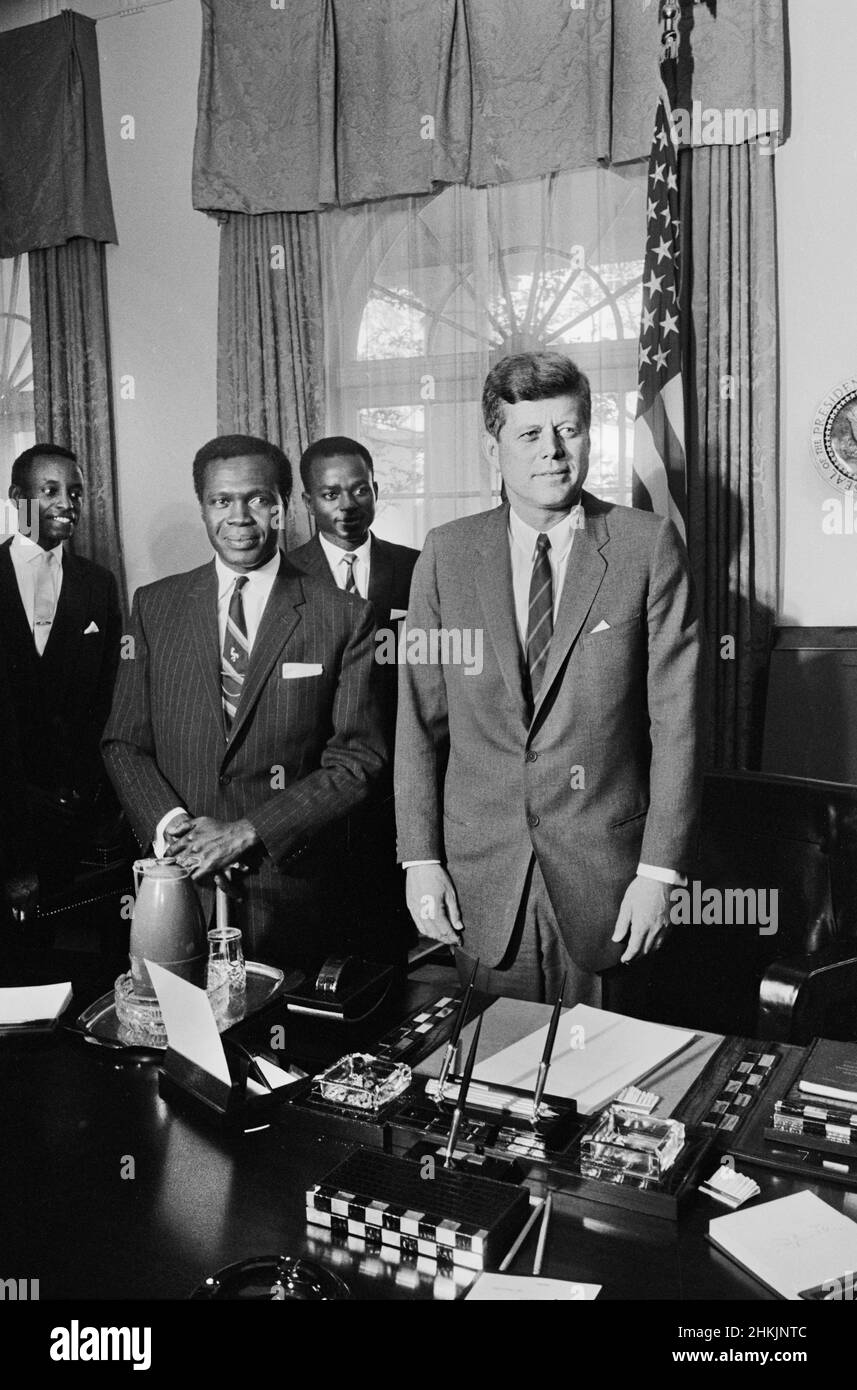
246 725
547 802
340 493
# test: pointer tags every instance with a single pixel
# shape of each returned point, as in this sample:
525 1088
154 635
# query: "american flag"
659 482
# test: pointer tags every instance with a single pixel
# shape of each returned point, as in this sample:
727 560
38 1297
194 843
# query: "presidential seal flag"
659 481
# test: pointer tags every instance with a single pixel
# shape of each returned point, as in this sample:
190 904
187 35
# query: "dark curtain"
732 431
71 382
270 349
53 166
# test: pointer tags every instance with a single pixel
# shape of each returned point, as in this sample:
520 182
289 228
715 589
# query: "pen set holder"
233 1106
498 1123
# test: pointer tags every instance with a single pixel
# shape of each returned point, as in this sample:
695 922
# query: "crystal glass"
624 1141
226 961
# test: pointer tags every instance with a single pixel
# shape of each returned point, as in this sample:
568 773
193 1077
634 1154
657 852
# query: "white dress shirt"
255 594
339 568
522 549
26 559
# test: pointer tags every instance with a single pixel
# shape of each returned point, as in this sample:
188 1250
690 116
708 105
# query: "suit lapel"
280 618
204 637
314 561
494 585
13 619
583 576
380 581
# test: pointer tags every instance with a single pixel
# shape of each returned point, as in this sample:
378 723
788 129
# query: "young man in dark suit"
247 725
340 493
60 629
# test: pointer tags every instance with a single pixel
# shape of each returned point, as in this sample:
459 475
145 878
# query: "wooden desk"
74 1122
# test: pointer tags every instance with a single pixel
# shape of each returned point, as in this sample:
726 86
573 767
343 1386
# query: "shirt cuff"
662 875
159 844
414 863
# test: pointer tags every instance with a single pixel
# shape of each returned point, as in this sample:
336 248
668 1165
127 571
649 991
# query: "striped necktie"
350 582
44 599
235 655
540 615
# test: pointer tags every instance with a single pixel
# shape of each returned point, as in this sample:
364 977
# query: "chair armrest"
796 990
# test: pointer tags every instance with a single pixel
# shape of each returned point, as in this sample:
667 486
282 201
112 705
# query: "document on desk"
595 1055
32 1004
794 1244
189 1021
527 1288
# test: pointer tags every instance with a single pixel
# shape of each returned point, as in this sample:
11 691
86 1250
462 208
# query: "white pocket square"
292 670
397 613
601 627
93 627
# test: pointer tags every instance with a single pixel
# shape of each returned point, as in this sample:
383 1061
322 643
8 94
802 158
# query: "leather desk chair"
798 837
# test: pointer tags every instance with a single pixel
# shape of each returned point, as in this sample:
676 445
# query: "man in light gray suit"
246 725
546 802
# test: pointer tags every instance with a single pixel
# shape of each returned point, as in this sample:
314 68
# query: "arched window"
17 420
429 292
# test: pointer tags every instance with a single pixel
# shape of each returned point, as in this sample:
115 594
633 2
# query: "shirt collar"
27 550
226 577
561 534
335 553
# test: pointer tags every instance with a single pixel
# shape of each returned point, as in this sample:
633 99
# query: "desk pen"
544 1064
458 1113
452 1045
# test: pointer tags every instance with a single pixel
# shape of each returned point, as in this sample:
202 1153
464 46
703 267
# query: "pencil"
543 1235
522 1236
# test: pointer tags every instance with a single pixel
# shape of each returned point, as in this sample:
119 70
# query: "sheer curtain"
421 295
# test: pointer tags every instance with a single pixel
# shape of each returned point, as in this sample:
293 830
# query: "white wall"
162 281
817 212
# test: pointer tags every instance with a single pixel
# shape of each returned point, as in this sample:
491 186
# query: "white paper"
32 1003
792 1244
189 1021
515 1288
595 1055
276 1076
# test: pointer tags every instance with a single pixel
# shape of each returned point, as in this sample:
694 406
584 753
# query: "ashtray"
363 1082
273 1279
626 1142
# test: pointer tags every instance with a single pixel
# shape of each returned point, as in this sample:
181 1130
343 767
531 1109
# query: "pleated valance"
309 103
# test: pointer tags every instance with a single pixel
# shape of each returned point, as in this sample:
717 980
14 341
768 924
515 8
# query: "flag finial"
669 19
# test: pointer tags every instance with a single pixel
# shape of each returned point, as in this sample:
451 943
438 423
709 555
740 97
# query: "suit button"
224 779
531 755
532 821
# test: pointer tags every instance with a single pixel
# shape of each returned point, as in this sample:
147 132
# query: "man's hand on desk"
644 917
431 899
208 847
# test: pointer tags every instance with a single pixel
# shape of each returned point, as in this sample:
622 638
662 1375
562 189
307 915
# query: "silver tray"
98 1023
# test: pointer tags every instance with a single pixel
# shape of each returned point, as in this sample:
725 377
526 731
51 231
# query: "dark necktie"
350 582
540 615
235 655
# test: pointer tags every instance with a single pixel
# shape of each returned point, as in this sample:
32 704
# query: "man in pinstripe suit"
246 724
